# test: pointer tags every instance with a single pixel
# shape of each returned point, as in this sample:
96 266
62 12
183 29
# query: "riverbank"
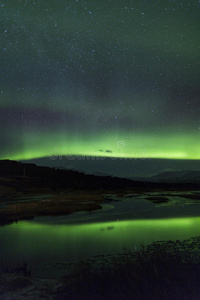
23 197
23 206
162 270
63 203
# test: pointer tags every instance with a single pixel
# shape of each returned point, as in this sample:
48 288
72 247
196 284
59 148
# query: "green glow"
76 87
43 243
105 237
117 145
132 230
151 224
162 224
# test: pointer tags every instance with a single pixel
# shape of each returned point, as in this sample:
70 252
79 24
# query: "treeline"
59 178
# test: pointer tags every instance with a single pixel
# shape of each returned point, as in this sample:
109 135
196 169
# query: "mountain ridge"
182 176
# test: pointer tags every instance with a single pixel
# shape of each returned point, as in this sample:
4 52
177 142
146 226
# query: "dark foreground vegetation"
162 270
168 270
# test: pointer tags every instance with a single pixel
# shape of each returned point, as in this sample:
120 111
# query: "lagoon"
50 244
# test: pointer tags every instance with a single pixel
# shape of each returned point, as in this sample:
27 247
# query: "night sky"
100 78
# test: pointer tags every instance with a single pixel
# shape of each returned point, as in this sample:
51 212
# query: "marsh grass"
20 269
55 205
160 271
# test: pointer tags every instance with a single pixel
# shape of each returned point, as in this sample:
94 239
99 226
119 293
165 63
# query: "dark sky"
100 78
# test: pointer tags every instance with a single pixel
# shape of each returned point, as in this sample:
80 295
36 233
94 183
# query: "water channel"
46 243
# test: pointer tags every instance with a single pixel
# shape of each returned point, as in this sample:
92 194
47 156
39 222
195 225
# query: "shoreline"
171 267
54 204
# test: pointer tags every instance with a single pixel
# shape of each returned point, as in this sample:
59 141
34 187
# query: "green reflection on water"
135 230
41 243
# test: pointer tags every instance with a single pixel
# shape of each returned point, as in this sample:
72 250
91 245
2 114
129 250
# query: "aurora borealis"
100 78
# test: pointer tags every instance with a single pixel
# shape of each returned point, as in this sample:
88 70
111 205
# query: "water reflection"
39 243
123 225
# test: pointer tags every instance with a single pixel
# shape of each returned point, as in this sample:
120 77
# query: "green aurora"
116 79
125 146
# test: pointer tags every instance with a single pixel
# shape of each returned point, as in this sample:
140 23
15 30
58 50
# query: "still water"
46 242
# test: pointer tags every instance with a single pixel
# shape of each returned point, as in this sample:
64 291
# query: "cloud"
106 151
